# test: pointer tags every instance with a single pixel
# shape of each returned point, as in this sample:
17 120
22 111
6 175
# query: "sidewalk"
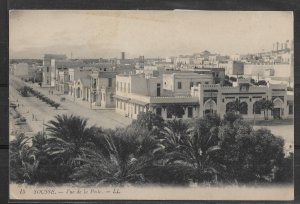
105 118
68 97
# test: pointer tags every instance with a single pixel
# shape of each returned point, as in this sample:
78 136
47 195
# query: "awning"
138 102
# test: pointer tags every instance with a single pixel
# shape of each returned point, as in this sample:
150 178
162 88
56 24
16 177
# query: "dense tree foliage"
151 150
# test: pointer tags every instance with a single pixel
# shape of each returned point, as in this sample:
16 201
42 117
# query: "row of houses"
195 91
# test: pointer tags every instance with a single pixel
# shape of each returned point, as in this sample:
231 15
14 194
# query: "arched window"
244 108
230 107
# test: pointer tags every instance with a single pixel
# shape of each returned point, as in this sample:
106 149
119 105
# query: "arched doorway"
257 107
210 106
277 109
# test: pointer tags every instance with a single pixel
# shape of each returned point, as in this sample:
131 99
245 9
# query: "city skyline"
96 34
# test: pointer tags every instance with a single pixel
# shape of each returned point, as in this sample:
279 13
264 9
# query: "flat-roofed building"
137 93
218 99
103 88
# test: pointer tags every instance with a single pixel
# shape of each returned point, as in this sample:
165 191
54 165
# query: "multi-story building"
50 69
137 93
232 67
218 74
80 75
62 80
102 88
46 71
180 83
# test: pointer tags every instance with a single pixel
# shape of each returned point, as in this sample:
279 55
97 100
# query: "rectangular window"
158 111
135 106
47 69
128 87
124 87
206 82
109 82
117 86
190 112
191 84
179 85
121 88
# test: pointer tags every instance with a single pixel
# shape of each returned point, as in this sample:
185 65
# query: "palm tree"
125 156
148 120
23 164
192 149
266 105
67 140
234 106
18 151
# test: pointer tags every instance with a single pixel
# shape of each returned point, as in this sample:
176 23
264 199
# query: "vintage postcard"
151 105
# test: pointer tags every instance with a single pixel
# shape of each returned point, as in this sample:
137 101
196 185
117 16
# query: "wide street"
29 106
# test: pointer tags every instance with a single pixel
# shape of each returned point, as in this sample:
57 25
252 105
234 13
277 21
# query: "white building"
137 93
217 99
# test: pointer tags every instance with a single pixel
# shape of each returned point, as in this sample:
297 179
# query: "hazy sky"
94 34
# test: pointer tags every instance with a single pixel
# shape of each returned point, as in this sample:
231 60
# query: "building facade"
218 99
137 93
140 93
103 87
